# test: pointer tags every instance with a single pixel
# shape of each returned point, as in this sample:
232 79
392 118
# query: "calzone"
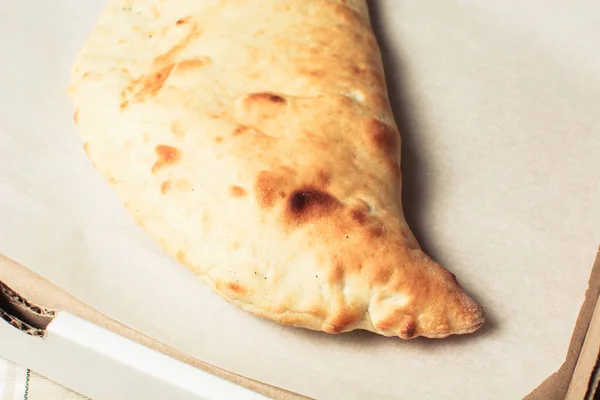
254 141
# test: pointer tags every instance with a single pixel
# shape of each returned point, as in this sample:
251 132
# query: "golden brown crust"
237 191
263 155
166 155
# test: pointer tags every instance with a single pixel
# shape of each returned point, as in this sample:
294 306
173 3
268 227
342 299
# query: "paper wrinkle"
501 165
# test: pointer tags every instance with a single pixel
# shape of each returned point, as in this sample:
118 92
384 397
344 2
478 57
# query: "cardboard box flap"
23 315
23 291
584 380
75 353
567 382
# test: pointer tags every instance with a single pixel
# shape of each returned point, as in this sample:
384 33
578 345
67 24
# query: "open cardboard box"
47 330
497 106
75 354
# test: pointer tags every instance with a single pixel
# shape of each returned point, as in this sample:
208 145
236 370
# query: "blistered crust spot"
255 108
383 137
269 187
192 65
387 323
236 288
151 85
409 329
170 56
345 317
376 231
167 155
147 86
165 187
382 274
237 191
323 178
264 98
240 129
336 274
359 216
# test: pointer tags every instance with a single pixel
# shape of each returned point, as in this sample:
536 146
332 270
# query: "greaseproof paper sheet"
499 109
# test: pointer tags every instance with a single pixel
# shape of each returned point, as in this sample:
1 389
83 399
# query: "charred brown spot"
359 216
237 191
309 203
303 200
165 187
266 97
383 136
167 155
385 139
181 21
234 287
376 231
218 139
409 329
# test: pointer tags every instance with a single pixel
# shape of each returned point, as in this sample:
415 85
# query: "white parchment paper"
499 107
